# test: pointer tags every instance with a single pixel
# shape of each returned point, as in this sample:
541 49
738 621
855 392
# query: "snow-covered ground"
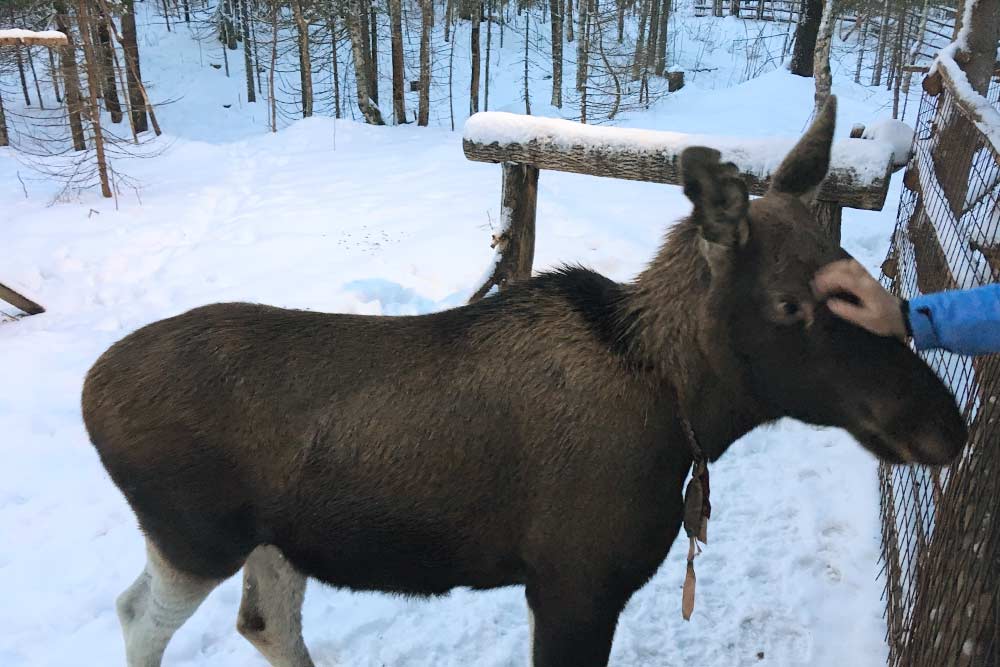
337 216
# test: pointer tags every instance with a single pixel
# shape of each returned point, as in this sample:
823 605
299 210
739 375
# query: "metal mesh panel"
941 529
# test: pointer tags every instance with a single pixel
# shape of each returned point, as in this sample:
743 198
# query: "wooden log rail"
17 37
20 301
859 175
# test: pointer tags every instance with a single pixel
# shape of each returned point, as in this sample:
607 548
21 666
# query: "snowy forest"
429 62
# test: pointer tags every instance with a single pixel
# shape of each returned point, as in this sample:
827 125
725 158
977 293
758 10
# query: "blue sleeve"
961 321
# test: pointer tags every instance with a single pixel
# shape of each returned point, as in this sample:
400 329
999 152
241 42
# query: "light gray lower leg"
271 610
155 606
531 634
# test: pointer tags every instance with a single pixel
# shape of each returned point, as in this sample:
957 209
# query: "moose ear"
719 196
805 167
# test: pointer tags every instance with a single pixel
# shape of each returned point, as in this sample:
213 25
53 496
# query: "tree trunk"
187 12
527 41
804 52
734 8
366 41
895 72
448 9
247 56
398 71
621 21
426 23
640 42
821 60
232 32
451 77
133 72
883 32
661 42
611 71
654 31
91 65
477 9
555 8
166 15
357 18
54 74
34 77
272 98
489 41
4 135
582 47
568 20
305 62
373 63
862 40
71 80
107 58
255 53
20 70
336 63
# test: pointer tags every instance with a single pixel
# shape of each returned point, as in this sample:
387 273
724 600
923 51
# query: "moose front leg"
270 615
571 627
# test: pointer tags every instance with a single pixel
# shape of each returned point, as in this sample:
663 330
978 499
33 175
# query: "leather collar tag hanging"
697 510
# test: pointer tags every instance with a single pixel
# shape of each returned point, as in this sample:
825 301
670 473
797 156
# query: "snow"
868 160
337 216
18 33
894 132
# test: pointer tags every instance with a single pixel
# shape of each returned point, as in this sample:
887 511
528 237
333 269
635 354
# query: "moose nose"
940 443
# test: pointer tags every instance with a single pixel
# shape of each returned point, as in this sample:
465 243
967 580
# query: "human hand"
876 309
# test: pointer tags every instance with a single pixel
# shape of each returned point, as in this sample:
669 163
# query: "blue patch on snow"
393 297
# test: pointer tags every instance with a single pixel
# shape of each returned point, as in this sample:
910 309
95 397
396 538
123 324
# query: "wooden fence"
941 532
525 145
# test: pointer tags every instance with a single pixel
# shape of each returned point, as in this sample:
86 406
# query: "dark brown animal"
532 438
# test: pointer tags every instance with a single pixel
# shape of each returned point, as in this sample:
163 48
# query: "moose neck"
677 327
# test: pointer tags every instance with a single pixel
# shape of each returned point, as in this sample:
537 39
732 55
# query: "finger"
848 311
835 279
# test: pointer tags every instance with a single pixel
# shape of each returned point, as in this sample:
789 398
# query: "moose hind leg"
151 610
270 614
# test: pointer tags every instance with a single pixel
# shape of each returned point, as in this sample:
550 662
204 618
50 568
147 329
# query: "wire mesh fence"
941 529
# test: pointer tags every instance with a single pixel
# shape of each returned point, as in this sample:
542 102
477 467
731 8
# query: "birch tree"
356 17
398 66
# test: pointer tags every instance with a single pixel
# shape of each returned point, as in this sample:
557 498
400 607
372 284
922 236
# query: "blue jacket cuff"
925 336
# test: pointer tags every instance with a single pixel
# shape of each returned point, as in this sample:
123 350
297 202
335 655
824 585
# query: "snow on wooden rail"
859 173
17 37
947 72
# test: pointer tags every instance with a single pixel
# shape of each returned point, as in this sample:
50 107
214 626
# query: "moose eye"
789 308
788 311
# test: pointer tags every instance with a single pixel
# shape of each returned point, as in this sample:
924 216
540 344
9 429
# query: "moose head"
795 357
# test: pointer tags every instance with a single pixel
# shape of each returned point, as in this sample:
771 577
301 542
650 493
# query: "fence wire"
941 529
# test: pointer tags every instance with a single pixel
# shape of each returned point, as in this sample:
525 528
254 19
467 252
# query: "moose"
532 438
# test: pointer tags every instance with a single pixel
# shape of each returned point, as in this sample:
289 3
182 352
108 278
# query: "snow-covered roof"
14 36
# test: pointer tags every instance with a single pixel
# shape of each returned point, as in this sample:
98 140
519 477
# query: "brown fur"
531 438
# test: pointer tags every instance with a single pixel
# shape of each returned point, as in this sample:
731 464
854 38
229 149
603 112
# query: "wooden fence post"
829 215
515 244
